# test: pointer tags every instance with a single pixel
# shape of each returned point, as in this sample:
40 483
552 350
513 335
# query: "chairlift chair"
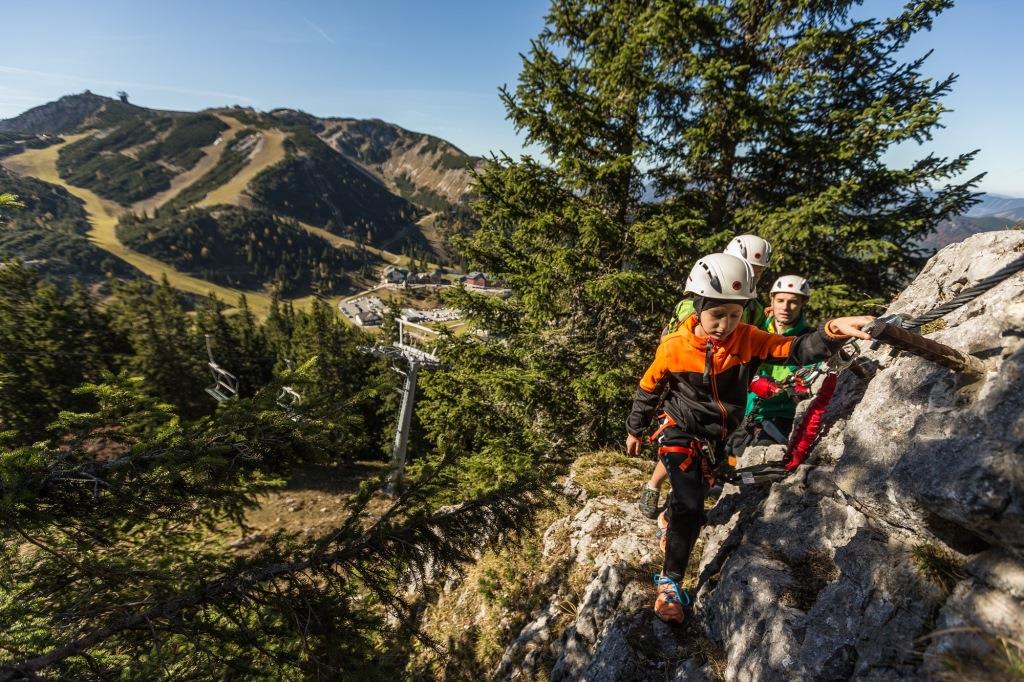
225 384
288 399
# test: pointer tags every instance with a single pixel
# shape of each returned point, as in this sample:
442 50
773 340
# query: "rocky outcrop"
424 169
65 115
899 554
596 624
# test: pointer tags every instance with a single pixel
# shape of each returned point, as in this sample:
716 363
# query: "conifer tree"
253 350
166 350
278 329
567 234
775 118
238 344
49 344
118 573
742 116
346 385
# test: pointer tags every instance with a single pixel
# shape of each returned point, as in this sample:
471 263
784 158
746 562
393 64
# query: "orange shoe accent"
668 605
662 533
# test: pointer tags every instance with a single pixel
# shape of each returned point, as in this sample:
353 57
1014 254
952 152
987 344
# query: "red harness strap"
691 452
675 448
681 449
667 422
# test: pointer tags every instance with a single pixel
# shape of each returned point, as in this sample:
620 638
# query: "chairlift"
225 384
406 341
288 399
406 361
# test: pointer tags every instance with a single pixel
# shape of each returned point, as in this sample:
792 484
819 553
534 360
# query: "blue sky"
431 67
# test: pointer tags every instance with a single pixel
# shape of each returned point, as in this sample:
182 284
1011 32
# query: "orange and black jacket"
707 382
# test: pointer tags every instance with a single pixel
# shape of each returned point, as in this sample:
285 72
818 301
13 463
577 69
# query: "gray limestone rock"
978 632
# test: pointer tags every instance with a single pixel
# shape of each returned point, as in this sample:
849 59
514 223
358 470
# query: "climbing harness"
694 449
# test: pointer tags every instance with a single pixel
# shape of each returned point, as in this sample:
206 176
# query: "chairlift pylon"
414 359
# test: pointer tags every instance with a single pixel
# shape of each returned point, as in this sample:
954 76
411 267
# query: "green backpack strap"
680 314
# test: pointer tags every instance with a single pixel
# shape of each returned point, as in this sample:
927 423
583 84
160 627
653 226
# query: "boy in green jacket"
773 417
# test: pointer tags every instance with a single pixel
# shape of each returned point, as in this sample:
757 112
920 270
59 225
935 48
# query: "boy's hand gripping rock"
848 326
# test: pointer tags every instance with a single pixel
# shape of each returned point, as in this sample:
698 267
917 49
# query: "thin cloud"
323 33
127 84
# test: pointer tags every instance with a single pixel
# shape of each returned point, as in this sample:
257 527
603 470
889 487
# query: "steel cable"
967 295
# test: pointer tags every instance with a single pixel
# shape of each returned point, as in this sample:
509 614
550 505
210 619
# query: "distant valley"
993 212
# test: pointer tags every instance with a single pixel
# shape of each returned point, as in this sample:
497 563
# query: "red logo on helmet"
757 256
790 285
737 286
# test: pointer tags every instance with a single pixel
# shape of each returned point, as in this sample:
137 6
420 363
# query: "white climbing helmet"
723 277
750 248
791 284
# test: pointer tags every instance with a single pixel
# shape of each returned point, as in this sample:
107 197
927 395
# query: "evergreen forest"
245 248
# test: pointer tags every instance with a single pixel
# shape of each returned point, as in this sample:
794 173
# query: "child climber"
752 249
705 367
758 253
773 417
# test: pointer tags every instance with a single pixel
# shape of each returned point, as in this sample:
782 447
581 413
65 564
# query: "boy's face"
720 321
787 307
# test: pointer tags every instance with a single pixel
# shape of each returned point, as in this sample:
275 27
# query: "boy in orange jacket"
703 370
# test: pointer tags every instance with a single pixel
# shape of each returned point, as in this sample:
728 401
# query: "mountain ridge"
366 181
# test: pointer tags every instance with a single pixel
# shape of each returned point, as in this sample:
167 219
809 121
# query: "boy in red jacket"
703 370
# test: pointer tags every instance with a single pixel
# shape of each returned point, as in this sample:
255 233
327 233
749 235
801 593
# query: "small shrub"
938 565
933 326
810 576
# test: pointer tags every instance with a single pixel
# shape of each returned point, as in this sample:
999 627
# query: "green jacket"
781 405
753 314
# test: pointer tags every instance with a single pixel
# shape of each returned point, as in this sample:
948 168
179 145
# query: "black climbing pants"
685 511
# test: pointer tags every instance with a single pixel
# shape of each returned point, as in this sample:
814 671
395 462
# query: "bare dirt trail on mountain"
102 216
269 151
389 257
342 242
211 156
